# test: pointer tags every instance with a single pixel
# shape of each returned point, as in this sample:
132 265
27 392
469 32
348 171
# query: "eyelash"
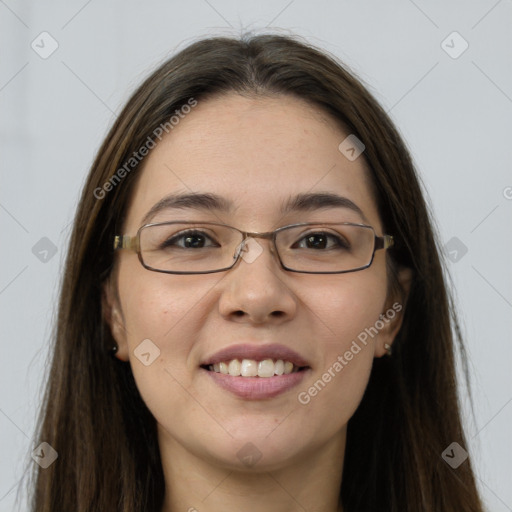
340 242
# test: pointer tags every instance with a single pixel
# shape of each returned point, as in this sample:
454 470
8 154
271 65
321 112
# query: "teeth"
279 367
249 368
234 367
253 368
266 368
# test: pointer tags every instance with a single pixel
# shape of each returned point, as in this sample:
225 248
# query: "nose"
256 289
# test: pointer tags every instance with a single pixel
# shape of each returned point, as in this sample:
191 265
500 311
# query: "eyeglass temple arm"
126 242
384 242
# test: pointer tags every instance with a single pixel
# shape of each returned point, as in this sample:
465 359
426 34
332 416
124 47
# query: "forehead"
259 154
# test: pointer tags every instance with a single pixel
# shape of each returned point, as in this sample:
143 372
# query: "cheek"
347 310
345 305
162 317
157 306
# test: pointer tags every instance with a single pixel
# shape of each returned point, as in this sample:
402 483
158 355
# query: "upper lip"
256 352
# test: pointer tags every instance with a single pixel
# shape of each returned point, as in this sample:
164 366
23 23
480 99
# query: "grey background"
455 114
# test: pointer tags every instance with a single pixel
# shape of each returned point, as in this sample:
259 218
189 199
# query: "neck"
311 481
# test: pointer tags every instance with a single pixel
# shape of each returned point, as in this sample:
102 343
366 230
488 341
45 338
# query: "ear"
113 316
393 314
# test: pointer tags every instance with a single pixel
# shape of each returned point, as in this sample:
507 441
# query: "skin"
256 152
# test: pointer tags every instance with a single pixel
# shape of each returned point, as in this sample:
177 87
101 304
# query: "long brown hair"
93 414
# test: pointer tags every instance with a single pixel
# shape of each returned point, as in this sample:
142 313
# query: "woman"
254 314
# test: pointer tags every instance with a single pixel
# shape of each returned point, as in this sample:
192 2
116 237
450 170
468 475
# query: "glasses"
205 247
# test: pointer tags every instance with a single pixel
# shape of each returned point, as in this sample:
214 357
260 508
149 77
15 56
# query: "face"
257 154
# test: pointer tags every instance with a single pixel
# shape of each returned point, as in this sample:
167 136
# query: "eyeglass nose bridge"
242 246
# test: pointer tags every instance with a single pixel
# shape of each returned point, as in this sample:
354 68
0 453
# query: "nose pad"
249 249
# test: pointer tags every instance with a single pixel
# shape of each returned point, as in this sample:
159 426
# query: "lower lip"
257 388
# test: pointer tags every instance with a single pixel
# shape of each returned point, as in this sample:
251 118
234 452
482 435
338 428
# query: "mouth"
256 372
266 368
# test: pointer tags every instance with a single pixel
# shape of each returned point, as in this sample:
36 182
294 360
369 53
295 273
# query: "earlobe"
394 314
114 319
391 320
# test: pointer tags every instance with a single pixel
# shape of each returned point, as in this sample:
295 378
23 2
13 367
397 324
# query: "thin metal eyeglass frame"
132 243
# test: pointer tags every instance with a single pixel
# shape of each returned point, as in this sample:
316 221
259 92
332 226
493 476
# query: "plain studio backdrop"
442 71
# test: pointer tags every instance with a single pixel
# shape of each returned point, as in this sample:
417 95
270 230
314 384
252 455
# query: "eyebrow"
212 202
315 201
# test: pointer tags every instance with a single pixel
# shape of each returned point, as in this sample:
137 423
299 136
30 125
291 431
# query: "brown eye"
321 240
191 239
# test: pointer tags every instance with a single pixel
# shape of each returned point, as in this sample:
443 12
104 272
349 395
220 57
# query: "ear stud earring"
388 349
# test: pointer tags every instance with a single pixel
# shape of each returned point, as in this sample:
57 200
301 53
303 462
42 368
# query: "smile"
256 371
252 368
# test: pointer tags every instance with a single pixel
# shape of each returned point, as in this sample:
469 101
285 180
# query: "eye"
190 239
322 240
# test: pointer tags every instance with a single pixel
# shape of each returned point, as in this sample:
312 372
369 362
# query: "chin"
266 448
254 455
